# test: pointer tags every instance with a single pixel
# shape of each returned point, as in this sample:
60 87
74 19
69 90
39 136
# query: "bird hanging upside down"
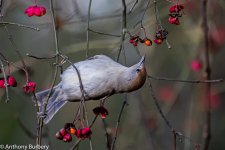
101 77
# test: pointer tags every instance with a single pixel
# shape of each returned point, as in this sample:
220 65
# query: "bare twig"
169 125
45 103
82 91
102 33
18 52
50 57
135 3
186 81
19 25
6 82
207 125
76 144
117 124
107 139
88 25
124 28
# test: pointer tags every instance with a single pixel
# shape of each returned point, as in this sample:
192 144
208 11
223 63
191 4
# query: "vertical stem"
124 27
45 103
88 27
106 135
117 124
207 125
174 140
6 82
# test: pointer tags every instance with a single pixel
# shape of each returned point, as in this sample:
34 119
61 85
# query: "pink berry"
67 138
196 65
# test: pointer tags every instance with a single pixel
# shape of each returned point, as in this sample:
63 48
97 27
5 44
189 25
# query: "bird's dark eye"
138 70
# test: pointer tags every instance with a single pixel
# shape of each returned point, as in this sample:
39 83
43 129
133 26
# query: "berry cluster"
10 80
160 36
102 111
35 10
175 14
69 129
136 39
29 87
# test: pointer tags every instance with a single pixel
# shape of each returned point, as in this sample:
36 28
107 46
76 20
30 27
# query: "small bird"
101 77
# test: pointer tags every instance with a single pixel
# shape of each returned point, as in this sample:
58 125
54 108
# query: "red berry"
148 42
101 111
176 8
135 44
63 132
196 65
67 138
131 41
29 87
58 136
35 10
158 41
174 20
11 81
2 83
84 133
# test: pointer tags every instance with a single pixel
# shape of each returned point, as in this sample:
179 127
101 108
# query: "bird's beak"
142 61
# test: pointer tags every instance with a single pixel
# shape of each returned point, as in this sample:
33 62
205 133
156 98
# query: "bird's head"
136 76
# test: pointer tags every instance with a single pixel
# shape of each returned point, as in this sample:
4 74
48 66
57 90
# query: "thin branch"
158 106
207 125
88 25
82 91
107 139
169 125
93 121
6 82
76 144
45 103
18 53
117 124
19 25
174 141
143 15
186 81
135 3
124 28
32 56
102 33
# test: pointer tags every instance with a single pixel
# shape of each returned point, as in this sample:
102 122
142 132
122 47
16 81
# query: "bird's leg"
102 101
60 64
64 60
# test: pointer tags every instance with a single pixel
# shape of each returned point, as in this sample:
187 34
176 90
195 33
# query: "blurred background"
141 127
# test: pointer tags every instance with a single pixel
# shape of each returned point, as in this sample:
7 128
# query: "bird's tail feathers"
55 102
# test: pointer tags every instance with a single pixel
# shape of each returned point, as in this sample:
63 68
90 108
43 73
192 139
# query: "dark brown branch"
135 3
186 81
82 91
207 125
117 124
19 25
88 25
124 28
107 138
169 125
6 82
102 33
50 57
45 103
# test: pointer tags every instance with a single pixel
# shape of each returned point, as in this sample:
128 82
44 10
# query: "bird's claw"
41 115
